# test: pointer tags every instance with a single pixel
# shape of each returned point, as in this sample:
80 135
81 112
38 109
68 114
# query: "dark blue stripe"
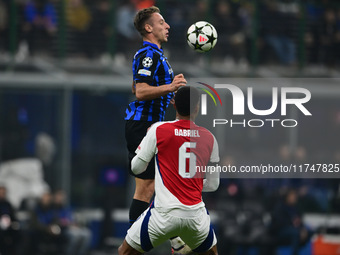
207 243
144 233
159 170
151 110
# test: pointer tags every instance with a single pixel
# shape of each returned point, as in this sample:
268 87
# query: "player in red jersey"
179 147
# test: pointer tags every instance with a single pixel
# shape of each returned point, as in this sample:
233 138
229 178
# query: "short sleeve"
214 157
146 67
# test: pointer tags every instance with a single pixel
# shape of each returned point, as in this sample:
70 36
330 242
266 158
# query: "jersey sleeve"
211 182
146 66
214 157
148 147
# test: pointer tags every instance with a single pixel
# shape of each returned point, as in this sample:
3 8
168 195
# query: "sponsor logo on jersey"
145 72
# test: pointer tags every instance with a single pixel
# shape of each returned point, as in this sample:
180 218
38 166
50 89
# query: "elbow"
140 96
134 167
211 186
215 185
138 166
135 171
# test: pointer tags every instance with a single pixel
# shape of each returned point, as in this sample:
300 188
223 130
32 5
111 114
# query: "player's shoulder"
163 124
202 129
205 133
156 128
147 51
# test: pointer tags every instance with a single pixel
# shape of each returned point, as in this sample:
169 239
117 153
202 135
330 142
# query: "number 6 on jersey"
184 170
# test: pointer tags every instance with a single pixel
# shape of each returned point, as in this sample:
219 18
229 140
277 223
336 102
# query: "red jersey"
179 148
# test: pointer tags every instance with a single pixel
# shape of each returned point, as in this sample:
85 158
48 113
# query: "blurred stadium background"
65 83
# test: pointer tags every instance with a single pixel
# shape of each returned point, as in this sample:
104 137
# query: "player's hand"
178 81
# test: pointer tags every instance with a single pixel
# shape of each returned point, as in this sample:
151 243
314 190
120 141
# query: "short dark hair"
186 99
142 17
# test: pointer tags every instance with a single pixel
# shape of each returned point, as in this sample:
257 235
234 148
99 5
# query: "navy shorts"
134 133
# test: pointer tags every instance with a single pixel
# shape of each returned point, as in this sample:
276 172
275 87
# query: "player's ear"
148 28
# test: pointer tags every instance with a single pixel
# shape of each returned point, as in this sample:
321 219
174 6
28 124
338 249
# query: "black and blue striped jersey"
152 67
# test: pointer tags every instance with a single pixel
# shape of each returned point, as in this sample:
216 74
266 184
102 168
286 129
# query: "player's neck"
150 40
180 117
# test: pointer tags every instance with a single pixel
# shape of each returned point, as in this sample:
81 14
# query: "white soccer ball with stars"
202 36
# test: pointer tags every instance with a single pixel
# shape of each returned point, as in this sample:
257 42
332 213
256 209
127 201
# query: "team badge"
147 62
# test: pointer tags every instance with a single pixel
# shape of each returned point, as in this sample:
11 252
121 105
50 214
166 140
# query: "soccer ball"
202 36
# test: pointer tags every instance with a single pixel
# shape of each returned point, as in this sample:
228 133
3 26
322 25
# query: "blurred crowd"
49 227
287 32
250 32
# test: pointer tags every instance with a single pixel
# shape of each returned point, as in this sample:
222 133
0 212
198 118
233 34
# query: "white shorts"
154 227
